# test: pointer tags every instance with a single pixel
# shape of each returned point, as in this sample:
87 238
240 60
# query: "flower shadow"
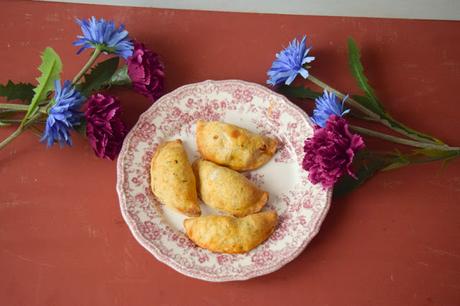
132 105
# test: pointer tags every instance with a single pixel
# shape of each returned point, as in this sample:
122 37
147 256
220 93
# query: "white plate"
301 206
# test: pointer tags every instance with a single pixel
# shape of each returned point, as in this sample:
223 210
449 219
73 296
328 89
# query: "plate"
300 205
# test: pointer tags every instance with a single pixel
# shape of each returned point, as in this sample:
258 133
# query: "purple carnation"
330 152
104 127
146 72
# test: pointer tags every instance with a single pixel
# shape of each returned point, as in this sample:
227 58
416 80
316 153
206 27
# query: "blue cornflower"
63 115
328 105
104 34
289 63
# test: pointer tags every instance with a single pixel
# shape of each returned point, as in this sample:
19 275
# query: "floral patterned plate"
301 206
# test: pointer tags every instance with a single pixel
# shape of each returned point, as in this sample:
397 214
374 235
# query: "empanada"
227 190
172 178
226 234
232 146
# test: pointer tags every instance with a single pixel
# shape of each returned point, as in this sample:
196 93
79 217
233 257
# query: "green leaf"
357 69
99 76
420 156
397 124
396 160
368 163
370 100
427 155
433 152
50 68
298 92
368 166
19 91
396 164
120 77
367 103
81 128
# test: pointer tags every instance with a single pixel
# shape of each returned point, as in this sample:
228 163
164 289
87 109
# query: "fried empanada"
226 234
172 178
227 190
232 146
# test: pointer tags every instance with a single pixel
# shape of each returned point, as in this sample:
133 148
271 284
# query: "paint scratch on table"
13 203
106 239
442 252
126 280
23 258
129 255
92 232
52 17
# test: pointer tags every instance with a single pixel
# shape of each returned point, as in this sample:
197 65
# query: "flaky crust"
226 234
227 190
172 178
232 146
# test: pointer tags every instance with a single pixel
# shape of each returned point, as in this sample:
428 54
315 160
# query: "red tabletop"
393 242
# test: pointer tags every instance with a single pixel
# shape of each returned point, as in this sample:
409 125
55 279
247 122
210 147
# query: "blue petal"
289 63
104 33
63 115
290 79
303 72
328 105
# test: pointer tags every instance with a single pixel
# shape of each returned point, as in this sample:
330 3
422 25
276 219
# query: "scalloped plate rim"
165 259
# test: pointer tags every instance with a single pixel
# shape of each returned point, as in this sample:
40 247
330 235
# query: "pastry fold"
227 190
226 234
172 178
232 146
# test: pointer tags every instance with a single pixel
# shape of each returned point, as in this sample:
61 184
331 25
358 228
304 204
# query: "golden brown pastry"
172 178
227 190
232 146
226 234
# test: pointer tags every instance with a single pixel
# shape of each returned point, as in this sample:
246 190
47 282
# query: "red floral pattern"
301 206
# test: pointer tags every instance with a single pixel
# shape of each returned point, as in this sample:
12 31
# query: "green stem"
90 62
370 114
16 107
352 102
16 121
27 121
403 141
19 130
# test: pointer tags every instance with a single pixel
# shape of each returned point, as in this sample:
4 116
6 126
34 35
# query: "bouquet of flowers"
55 108
83 103
337 147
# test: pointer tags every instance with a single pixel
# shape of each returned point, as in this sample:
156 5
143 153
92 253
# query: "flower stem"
370 114
352 102
9 109
403 141
21 128
11 121
90 62
15 107
27 121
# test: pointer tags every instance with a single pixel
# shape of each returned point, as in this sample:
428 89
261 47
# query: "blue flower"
328 105
63 115
289 63
104 34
